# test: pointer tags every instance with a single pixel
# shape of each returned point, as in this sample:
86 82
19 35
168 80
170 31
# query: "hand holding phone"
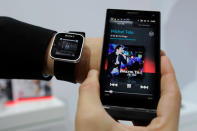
91 115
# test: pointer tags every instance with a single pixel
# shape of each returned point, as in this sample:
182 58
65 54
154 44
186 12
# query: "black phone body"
130 64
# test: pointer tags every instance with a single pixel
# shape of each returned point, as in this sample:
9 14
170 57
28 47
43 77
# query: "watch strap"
64 71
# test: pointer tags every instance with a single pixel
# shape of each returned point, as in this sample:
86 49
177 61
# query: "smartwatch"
66 51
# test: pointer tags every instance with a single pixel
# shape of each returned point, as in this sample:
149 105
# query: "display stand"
33 115
188 116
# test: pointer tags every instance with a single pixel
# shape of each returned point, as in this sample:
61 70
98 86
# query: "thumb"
90 114
89 94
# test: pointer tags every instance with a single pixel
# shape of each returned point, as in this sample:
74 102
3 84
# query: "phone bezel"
119 13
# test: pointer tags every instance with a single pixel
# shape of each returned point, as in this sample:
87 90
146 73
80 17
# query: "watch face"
67 46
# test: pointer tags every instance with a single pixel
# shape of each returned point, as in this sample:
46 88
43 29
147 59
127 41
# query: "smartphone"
130 64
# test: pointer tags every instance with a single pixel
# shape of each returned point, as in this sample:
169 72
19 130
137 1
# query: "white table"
33 116
188 116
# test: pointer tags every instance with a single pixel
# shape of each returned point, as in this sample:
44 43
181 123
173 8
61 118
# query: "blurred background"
178 40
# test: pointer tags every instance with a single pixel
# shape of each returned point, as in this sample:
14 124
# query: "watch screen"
130 59
67 46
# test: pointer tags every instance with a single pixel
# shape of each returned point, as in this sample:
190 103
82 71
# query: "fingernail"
92 73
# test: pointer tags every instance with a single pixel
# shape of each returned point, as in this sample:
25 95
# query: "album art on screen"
124 61
124 67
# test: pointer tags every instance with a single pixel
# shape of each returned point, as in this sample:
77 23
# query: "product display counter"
188 116
33 115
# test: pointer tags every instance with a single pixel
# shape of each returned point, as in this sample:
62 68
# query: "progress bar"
111 92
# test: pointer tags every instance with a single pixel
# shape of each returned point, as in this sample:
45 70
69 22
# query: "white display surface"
188 116
33 116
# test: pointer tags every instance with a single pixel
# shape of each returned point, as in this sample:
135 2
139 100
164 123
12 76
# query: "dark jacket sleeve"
22 49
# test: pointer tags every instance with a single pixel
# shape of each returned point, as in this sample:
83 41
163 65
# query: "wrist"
90 58
49 62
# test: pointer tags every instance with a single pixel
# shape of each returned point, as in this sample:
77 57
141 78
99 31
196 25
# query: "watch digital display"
67 46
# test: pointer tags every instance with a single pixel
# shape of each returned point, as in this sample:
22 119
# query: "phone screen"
130 66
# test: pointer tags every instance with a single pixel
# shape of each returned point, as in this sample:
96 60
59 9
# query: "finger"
166 67
170 93
162 53
170 100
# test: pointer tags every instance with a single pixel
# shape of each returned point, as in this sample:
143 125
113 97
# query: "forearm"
90 59
22 49
25 52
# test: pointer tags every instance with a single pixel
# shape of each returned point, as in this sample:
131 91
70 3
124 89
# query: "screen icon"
113 84
151 33
128 85
144 87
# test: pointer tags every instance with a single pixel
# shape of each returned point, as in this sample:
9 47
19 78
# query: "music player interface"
130 62
66 47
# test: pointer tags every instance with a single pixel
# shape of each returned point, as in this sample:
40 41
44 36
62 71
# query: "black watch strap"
65 70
